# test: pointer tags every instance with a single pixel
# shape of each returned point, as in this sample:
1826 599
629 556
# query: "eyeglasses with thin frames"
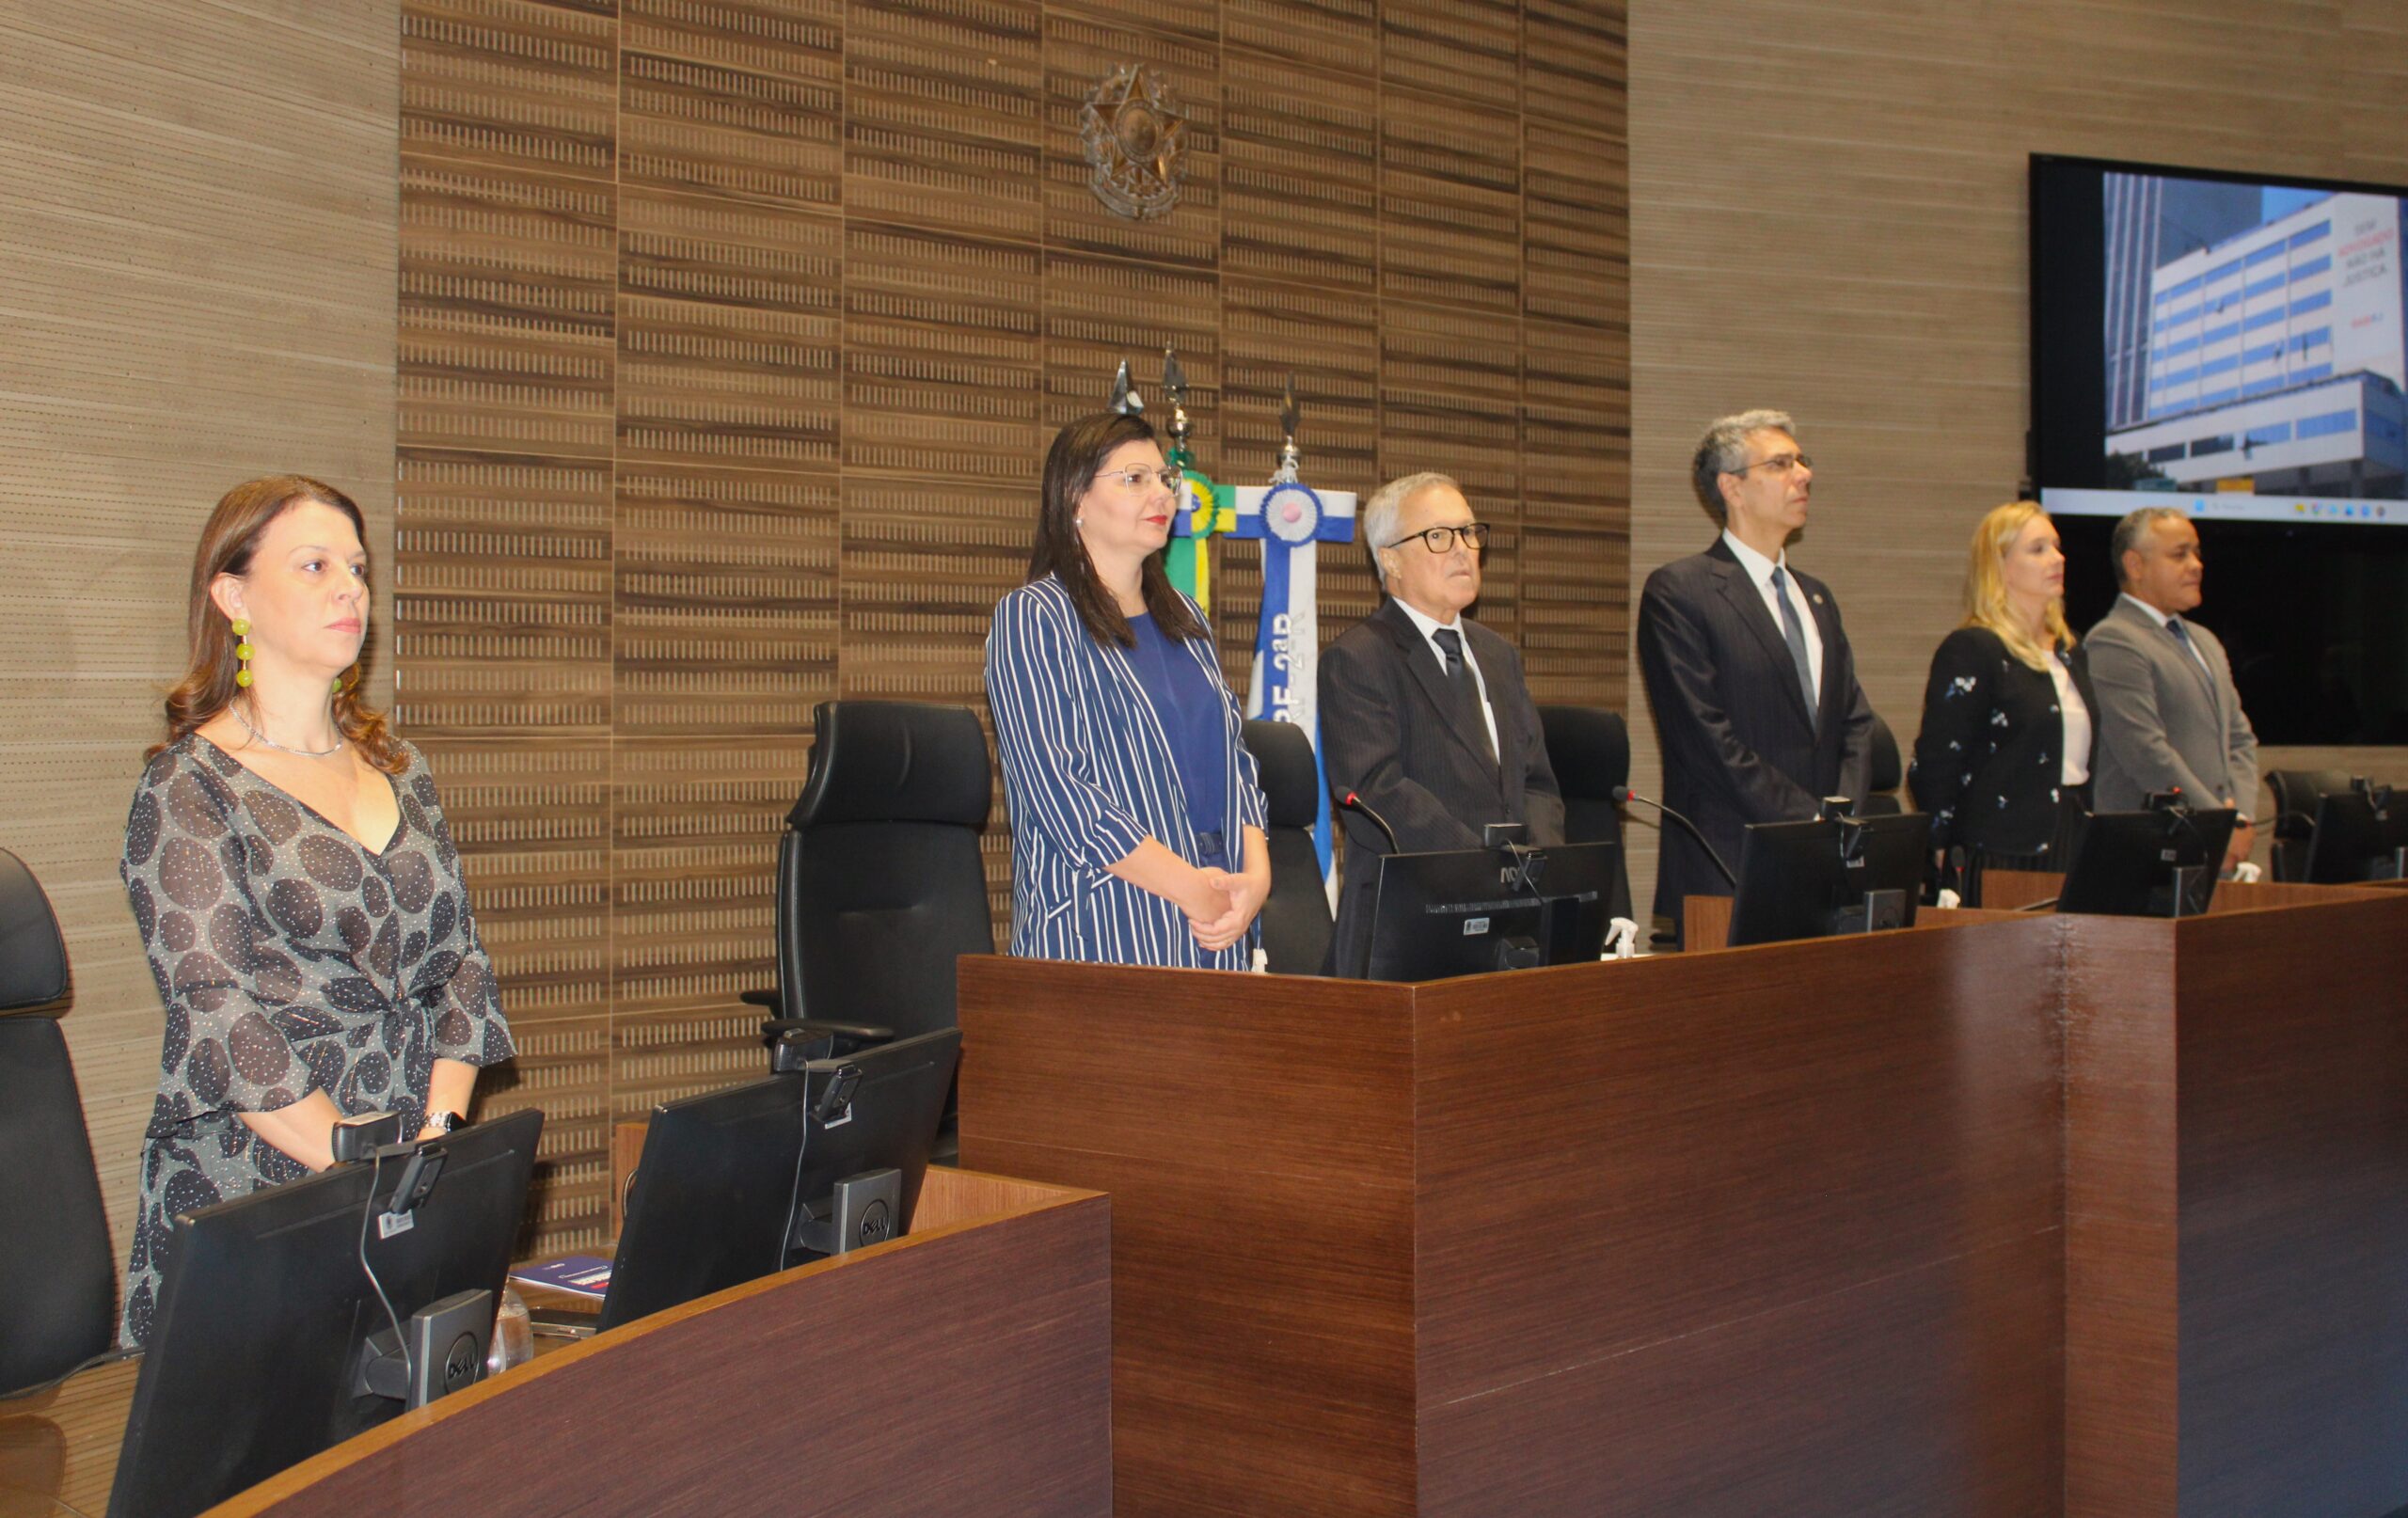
1136 476
1442 539
1777 463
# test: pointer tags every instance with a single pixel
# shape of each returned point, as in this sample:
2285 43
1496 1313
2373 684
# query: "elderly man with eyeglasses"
1757 706
1424 713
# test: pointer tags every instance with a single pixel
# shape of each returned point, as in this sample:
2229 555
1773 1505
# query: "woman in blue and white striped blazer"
1137 815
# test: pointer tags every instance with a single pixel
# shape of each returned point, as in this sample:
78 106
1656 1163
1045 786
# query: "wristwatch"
445 1122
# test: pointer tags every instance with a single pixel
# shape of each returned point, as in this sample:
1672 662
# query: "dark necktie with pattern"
1793 632
1466 687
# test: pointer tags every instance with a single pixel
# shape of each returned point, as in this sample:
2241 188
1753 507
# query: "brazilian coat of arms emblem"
1135 138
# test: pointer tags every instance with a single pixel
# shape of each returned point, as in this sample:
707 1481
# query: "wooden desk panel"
2237 1209
1705 921
965 1369
1458 1238
1782 1200
1261 1217
1613 1157
2007 890
1824 1410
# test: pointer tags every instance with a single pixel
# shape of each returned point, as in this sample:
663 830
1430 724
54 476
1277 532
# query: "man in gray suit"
2168 714
1424 712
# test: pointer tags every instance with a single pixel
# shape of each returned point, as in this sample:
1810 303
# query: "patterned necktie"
1793 632
1466 685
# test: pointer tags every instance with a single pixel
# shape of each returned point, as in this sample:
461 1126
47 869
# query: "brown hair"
1079 451
227 544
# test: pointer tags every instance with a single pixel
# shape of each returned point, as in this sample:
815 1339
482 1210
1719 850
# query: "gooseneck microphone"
1623 794
1355 803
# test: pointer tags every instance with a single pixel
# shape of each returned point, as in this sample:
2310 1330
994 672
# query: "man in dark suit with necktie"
1757 706
2168 715
1423 712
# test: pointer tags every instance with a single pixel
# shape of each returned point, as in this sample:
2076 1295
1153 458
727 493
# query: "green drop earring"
242 651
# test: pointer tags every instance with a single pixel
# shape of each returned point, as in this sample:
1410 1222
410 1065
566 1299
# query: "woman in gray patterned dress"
298 890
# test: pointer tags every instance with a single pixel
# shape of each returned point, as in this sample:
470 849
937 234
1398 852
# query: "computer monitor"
1469 911
2361 834
267 1321
1835 875
728 1182
2157 863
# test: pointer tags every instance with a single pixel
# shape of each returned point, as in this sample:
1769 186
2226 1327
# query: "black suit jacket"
1992 746
1737 745
1387 735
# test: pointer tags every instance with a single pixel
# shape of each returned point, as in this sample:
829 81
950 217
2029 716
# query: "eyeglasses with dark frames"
1442 539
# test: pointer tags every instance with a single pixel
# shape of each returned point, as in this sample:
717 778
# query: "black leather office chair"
879 883
1295 919
2296 793
58 1279
1589 748
1881 798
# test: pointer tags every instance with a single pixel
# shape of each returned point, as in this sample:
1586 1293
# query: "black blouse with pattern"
290 958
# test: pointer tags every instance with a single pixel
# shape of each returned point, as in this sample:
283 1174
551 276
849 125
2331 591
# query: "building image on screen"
2255 344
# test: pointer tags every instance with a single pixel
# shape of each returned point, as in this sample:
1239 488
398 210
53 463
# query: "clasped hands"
1222 906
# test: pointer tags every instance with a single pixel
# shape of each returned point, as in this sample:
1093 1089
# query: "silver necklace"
269 742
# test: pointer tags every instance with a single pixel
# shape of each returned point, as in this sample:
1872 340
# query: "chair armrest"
759 997
848 1036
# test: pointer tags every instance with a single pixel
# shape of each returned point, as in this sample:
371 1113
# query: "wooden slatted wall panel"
196 287
1827 205
731 338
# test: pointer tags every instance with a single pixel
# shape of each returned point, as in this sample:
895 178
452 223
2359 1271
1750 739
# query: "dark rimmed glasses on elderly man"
1442 539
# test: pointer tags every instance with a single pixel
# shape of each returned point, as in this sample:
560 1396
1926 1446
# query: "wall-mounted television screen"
2235 346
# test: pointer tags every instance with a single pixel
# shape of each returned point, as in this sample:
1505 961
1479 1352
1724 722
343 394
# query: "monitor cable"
401 1340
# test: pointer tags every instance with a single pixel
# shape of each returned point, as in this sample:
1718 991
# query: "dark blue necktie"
1793 632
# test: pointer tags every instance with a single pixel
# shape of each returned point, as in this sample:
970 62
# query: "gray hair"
1723 451
1380 512
2128 532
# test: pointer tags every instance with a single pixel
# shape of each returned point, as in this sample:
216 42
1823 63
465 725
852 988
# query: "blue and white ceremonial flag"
1289 517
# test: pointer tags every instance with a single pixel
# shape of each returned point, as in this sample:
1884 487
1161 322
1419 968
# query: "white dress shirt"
1760 570
2074 765
1431 624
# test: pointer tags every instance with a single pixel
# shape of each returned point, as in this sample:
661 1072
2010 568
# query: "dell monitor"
2361 834
1469 911
730 1183
2161 863
1835 875
273 1340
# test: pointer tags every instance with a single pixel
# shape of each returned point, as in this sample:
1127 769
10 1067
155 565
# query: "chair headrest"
1887 770
895 761
33 960
1291 784
1590 748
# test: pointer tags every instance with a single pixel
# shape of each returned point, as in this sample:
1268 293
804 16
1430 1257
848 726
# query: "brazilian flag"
1202 511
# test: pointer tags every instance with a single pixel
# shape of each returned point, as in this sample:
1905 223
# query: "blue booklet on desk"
584 1275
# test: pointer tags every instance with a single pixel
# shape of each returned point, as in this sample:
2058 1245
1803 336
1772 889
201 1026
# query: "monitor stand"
2185 892
1878 912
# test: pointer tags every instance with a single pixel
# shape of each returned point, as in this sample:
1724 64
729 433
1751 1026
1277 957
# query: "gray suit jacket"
2162 724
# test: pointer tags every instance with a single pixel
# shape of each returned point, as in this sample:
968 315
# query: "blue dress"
1089 772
